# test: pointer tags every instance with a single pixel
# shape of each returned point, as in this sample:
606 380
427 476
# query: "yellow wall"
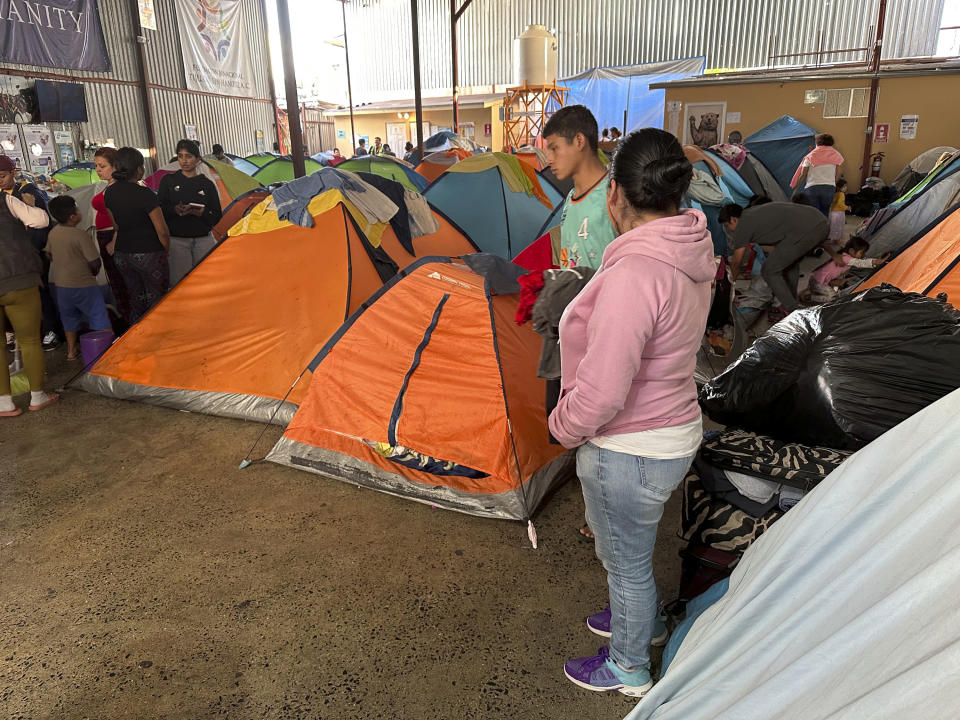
375 124
933 98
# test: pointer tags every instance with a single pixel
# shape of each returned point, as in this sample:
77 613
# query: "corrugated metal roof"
591 33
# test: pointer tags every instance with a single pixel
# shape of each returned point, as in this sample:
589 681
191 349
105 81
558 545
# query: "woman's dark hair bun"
651 170
126 163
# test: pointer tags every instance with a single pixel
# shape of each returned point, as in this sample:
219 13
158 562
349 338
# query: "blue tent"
735 190
482 205
730 181
781 146
609 91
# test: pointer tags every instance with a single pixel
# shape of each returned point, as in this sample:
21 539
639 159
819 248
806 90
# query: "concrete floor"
143 576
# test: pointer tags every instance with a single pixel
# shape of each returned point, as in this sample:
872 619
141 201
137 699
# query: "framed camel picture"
703 123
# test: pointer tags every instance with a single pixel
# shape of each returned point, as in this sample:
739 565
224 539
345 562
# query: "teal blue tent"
781 146
482 205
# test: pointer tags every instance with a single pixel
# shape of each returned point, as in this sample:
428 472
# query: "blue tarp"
608 91
781 146
496 219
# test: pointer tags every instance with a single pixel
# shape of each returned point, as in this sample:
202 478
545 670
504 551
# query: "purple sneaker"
601 674
599 624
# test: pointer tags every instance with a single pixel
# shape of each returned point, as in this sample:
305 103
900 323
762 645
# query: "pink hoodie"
629 340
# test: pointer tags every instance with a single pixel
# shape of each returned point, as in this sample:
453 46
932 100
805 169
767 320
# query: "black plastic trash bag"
842 374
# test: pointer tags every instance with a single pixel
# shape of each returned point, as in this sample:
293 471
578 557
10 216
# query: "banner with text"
216 50
55 34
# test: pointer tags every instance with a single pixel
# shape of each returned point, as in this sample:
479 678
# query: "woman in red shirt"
103 161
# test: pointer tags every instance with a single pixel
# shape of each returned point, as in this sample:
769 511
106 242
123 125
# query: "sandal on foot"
587 532
53 398
73 357
11 413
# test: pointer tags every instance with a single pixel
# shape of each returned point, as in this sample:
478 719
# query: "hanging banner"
54 34
216 50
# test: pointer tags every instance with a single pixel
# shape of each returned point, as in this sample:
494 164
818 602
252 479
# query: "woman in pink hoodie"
628 346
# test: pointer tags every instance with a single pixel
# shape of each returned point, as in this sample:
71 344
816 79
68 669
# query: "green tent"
236 181
281 170
261 159
77 175
389 168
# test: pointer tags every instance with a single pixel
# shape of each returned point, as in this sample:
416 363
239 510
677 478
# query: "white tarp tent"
847 607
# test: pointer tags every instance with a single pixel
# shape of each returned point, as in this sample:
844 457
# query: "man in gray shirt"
786 231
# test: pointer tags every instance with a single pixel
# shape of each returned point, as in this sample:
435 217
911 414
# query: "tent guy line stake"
246 462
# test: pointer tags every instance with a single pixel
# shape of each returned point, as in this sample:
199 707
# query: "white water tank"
535 57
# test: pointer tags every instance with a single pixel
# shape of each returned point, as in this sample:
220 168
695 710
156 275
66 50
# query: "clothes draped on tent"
733 154
422 219
519 176
292 200
264 218
405 226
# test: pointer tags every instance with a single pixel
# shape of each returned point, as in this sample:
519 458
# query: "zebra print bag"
793 464
708 520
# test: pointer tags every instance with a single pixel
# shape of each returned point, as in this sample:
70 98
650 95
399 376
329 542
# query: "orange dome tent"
448 410
930 265
234 335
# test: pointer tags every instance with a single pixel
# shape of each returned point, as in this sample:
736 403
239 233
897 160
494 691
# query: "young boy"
585 228
570 136
75 263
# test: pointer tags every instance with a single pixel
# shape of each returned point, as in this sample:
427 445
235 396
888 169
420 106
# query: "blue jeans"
822 197
624 497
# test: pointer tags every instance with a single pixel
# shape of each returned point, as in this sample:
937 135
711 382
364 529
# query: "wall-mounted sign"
41 149
812 97
881 132
733 117
10 144
148 16
908 127
258 139
487 129
190 132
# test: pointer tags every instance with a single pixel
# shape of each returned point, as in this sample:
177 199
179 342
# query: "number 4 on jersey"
582 232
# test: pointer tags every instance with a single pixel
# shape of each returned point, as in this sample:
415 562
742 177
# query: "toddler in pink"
826 278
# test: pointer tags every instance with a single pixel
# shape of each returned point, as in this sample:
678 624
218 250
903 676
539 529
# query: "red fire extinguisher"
876 160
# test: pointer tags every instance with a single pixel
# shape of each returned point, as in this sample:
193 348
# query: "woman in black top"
191 207
141 239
